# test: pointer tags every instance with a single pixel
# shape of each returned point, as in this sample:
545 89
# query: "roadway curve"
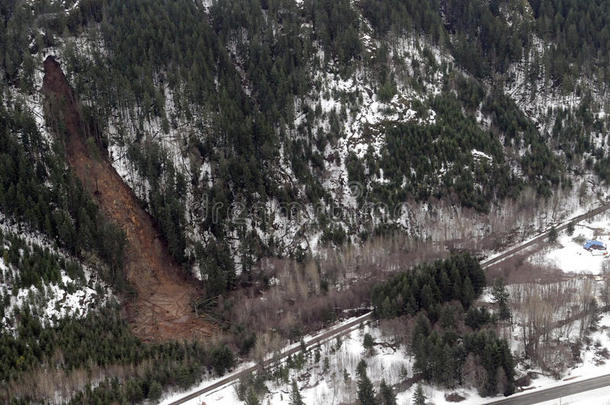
344 329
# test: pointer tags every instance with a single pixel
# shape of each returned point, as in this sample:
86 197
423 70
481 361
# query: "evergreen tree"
418 397
155 391
368 342
366 391
468 293
252 398
388 397
500 297
295 395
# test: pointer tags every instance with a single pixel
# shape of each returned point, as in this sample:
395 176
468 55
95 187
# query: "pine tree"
326 365
427 298
387 394
418 397
368 342
468 294
252 398
500 297
366 392
295 396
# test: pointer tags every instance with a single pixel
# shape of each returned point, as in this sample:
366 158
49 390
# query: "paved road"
322 337
348 327
556 392
542 236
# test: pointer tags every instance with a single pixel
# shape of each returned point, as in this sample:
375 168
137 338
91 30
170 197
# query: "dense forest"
243 70
242 105
99 341
449 346
484 43
37 190
419 152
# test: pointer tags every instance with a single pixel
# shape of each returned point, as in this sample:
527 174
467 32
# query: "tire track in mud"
161 309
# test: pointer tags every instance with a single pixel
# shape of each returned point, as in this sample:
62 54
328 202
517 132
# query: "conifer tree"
252 398
368 342
388 397
366 391
500 296
295 395
418 397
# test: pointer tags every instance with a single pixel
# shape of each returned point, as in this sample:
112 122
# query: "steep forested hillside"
251 129
246 101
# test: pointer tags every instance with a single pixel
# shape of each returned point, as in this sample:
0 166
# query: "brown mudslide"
162 308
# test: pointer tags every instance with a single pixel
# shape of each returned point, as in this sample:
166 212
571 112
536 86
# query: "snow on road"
600 396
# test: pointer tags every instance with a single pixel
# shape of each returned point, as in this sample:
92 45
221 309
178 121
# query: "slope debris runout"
162 307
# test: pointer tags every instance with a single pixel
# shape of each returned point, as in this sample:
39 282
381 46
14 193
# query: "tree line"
237 71
38 190
99 341
450 345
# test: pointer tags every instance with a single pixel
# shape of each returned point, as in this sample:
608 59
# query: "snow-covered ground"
336 383
568 253
49 302
593 361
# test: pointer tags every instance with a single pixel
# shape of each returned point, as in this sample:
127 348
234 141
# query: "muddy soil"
162 308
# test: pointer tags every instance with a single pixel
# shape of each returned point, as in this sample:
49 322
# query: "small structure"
596 247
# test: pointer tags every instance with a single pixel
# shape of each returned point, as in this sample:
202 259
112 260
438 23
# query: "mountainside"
196 150
162 310
325 109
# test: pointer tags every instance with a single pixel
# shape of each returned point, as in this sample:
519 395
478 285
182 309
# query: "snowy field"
337 383
331 379
568 254
593 363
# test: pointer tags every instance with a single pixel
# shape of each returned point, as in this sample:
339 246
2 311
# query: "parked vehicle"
596 248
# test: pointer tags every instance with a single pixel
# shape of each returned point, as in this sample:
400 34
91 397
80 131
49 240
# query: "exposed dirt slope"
162 309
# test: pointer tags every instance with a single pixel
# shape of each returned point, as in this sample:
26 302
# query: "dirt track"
161 310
